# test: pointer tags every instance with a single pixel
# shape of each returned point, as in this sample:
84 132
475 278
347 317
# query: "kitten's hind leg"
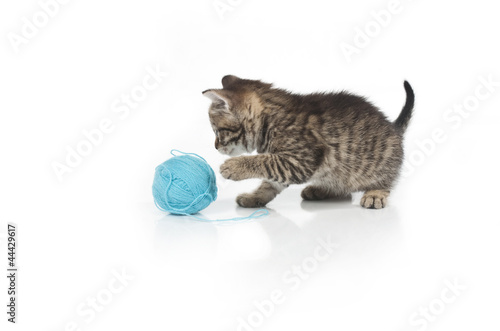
315 192
266 192
376 199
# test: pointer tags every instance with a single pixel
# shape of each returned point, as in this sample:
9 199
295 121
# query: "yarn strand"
255 215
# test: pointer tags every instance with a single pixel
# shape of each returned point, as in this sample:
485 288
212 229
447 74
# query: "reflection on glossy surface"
256 257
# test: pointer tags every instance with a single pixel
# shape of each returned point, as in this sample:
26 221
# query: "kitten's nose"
216 143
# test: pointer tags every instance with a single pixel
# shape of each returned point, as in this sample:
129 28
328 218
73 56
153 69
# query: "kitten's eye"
226 129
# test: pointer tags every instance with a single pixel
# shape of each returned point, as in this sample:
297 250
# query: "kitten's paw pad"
230 169
374 199
249 200
314 193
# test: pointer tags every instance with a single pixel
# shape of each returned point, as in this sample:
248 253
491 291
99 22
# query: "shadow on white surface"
279 239
251 259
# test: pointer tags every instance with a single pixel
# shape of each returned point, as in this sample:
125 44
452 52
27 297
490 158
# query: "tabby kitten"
338 142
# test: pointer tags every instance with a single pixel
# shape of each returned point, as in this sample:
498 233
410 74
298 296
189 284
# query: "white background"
441 224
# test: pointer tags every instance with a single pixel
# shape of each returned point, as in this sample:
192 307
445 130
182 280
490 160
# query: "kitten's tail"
404 117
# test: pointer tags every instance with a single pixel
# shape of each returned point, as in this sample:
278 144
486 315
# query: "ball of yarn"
184 184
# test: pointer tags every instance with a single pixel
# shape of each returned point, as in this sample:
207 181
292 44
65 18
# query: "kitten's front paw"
249 200
231 169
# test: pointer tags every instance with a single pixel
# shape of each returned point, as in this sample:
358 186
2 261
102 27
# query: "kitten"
338 142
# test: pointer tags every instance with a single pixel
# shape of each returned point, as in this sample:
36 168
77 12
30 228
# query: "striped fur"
338 142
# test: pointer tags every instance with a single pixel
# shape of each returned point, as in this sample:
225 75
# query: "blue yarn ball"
184 184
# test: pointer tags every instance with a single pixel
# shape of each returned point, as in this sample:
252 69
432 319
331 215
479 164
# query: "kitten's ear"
228 80
218 96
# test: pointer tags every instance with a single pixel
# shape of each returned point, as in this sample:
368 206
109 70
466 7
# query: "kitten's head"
233 108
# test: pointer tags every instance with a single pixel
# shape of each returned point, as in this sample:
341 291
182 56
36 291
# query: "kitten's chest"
268 142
